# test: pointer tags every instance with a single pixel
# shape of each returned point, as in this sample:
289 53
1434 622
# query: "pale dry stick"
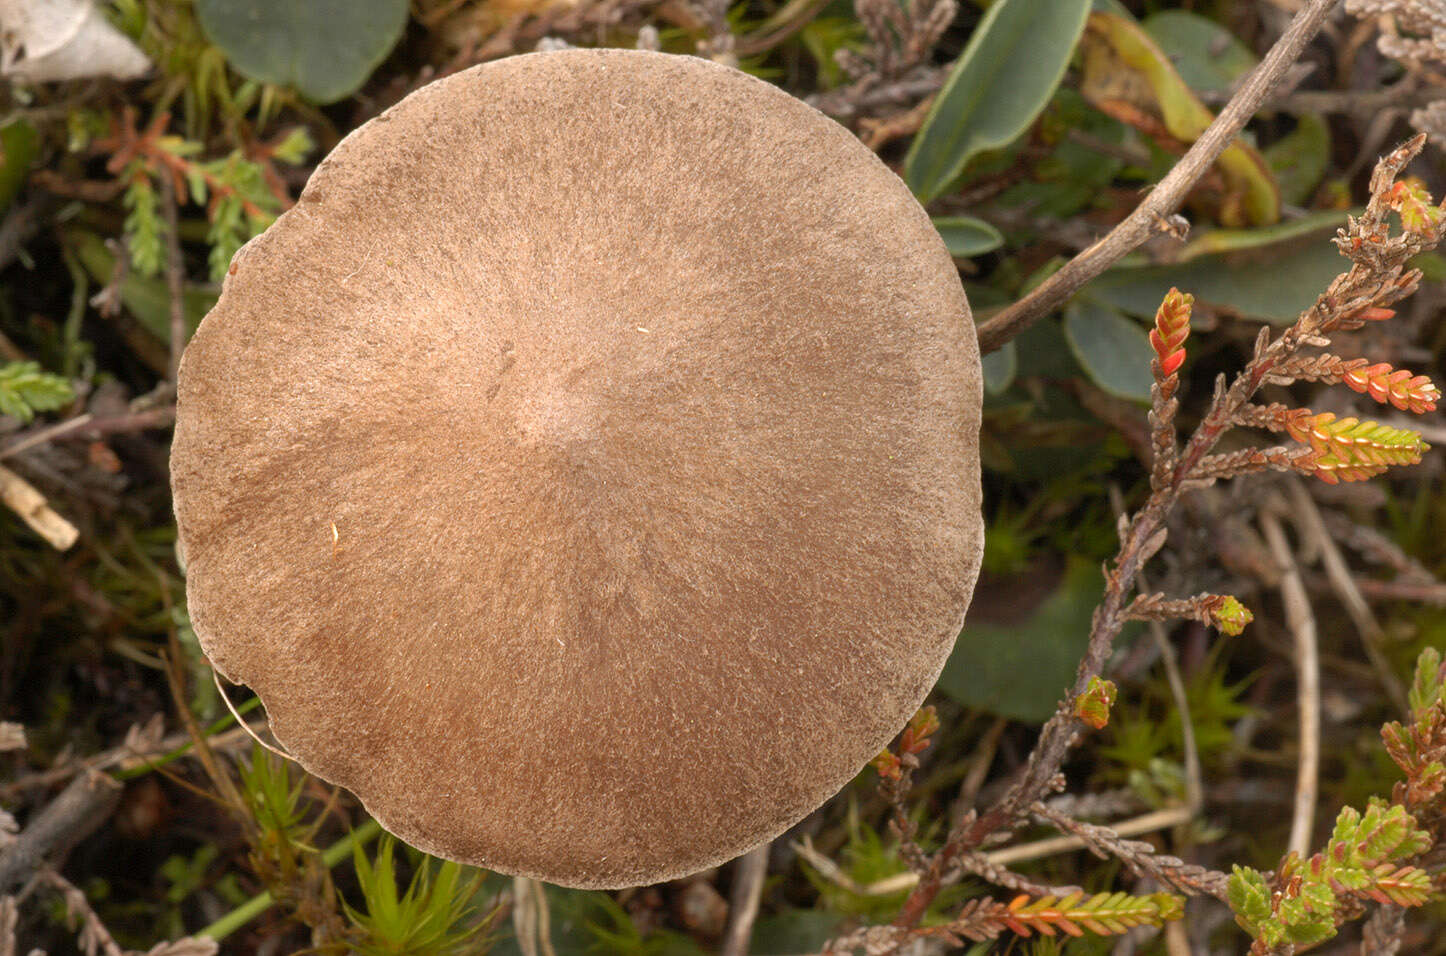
1194 785
69 818
1177 938
1026 852
9 922
531 919
124 758
21 497
1301 622
46 435
1312 525
88 425
1169 194
175 273
743 901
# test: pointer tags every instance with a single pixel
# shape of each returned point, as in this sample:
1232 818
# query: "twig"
1166 197
89 427
848 103
175 274
1343 583
1384 931
69 818
1194 787
531 918
1023 853
20 223
1377 278
1301 622
980 865
30 505
125 759
1417 592
743 903
9 922
980 762
1140 857
93 937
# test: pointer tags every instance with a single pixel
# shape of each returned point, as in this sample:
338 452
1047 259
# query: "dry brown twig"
1142 858
1168 195
1376 278
895 73
69 818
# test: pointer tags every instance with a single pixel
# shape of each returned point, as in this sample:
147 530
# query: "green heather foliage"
26 390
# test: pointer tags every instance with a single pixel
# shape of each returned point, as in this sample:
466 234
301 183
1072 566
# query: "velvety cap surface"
584 473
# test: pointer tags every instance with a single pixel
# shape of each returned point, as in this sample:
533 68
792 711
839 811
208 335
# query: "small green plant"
435 916
1372 857
26 390
241 191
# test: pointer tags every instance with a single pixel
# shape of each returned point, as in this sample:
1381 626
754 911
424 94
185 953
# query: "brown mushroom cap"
584 473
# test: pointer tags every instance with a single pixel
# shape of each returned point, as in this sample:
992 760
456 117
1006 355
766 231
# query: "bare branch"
1166 197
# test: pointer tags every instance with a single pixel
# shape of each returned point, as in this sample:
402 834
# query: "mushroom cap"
584 472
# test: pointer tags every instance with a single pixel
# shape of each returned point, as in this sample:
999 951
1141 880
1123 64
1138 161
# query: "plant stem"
262 902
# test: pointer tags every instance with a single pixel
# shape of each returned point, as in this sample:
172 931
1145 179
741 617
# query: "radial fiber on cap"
584 472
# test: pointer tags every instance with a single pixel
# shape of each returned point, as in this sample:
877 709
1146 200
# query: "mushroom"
584 473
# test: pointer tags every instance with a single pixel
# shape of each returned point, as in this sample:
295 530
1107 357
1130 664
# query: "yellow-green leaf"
1128 76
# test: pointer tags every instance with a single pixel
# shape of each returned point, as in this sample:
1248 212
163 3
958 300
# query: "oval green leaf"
1019 666
1111 347
1001 82
1000 367
324 48
1299 159
1208 57
1274 282
967 237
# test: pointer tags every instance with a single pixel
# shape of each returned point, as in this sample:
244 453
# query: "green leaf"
19 143
967 237
794 931
1127 75
1019 663
25 390
1005 76
1275 283
1000 367
1427 685
1113 349
326 49
1249 897
1299 158
1208 57
146 299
